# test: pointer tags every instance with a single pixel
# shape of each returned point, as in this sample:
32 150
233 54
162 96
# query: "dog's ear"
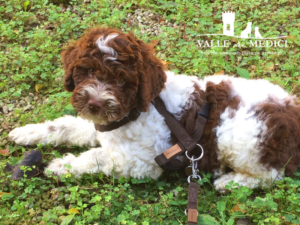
152 75
69 56
75 49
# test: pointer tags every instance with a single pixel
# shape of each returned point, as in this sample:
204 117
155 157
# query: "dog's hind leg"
248 172
263 180
67 130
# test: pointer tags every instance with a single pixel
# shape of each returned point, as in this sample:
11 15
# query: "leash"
186 143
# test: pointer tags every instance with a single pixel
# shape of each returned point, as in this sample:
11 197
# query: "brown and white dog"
253 126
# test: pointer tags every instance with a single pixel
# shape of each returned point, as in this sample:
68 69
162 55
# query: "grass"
33 34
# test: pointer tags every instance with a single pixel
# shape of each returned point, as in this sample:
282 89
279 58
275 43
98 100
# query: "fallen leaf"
233 40
217 21
221 72
252 68
128 23
270 67
292 38
3 193
38 87
237 208
73 211
4 152
227 58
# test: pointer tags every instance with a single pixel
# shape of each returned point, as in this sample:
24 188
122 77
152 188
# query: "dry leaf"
4 152
252 68
128 23
221 72
217 21
73 211
292 38
227 58
237 208
233 40
270 67
3 193
38 87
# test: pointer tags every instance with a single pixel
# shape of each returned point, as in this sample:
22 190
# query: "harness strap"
186 142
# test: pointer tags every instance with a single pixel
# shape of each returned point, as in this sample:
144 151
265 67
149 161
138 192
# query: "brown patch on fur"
135 78
281 142
196 101
219 98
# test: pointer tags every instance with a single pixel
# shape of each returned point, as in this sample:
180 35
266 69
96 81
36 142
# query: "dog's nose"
95 105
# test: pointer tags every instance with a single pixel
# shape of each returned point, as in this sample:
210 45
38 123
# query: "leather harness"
132 116
186 143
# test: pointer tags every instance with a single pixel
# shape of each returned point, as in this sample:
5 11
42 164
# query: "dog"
253 125
257 33
247 32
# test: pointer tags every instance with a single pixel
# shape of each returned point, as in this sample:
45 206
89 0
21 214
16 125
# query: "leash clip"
194 165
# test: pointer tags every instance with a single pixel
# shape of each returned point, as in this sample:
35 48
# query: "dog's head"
110 73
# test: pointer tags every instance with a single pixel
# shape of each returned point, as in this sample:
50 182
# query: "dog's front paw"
220 185
30 134
60 166
221 182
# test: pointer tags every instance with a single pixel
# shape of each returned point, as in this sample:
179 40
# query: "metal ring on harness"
192 159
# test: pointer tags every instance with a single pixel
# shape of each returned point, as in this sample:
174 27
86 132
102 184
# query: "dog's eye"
121 81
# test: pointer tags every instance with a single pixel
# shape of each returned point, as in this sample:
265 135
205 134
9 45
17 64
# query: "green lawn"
32 35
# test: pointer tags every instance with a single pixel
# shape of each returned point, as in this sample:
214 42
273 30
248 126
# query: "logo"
256 40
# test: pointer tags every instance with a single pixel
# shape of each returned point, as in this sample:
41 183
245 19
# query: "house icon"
228 19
